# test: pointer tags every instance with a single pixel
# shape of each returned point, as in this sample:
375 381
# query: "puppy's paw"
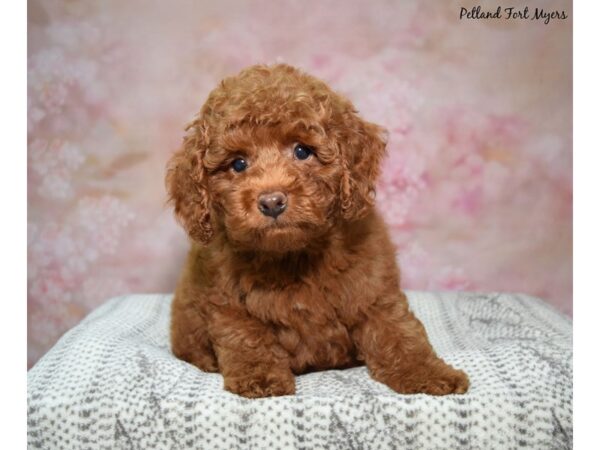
433 378
256 385
453 381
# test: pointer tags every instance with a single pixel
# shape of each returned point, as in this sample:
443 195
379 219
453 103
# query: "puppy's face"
274 161
273 187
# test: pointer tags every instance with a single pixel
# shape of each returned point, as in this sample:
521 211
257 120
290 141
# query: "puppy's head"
274 160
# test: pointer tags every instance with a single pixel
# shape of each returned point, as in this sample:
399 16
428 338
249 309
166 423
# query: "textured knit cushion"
112 383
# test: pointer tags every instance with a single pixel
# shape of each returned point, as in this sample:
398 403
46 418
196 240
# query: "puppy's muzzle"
272 204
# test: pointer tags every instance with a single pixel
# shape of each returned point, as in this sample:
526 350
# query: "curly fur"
262 299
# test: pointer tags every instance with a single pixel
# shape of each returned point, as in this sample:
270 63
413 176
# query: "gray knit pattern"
113 383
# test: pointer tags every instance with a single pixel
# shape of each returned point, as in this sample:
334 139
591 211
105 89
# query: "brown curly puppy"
291 268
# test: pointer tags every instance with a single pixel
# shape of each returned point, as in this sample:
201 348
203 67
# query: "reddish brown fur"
261 299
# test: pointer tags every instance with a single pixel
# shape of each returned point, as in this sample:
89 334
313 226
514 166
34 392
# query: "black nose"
272 203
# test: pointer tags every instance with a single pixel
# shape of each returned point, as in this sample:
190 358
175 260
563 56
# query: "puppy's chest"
307 325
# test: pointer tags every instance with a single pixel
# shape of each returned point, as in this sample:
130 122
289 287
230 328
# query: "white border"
13 237
586 222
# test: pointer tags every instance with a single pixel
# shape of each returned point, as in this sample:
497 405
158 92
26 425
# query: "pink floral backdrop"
477 187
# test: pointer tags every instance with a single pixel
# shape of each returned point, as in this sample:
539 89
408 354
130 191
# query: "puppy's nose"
272 203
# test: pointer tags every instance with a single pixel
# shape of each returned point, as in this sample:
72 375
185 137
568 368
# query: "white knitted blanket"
112 383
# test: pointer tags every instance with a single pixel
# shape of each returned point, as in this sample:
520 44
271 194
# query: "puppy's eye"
302 151
239 165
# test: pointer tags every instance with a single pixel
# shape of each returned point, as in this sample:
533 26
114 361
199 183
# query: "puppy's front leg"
395 347
249 355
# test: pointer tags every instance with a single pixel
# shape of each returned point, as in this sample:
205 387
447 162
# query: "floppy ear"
186 184
362 149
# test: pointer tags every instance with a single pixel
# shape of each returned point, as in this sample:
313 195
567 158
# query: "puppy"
291 268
